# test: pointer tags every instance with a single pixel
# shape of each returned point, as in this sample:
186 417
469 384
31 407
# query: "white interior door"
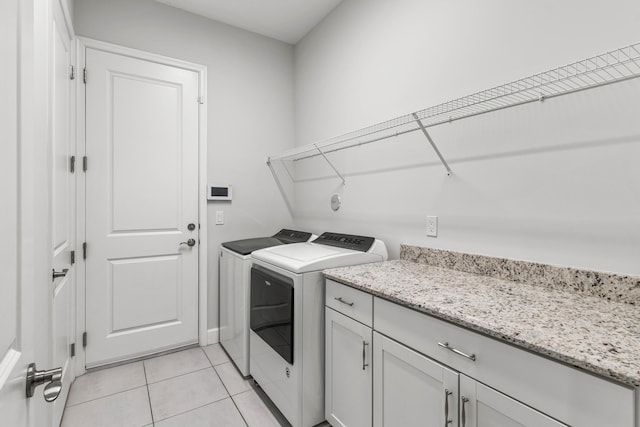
13 404
17 294
62 206
141 196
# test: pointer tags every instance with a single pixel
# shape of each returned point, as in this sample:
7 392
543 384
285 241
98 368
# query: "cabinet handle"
456 351
364 345
464 414
447 421
350 304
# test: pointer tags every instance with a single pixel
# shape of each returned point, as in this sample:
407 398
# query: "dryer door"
272 310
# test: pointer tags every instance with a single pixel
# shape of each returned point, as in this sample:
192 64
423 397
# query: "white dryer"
287 318
235 269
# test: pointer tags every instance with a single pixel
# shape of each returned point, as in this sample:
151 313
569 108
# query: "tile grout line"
239 411
231 397
212 367
195 409
181 375
153 421
210 361
105 396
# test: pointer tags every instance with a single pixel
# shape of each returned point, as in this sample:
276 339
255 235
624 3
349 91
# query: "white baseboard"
213 336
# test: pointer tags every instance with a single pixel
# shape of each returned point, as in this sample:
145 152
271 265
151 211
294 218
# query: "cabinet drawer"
349 301
565 393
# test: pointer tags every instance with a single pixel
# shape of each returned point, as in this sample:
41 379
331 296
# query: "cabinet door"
481 406
347 371
410 389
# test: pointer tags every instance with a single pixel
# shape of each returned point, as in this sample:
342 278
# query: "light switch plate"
432 226
219 217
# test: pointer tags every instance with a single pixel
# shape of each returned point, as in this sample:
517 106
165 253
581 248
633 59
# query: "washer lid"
282 237
246 246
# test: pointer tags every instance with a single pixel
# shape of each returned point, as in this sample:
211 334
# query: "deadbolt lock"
191 227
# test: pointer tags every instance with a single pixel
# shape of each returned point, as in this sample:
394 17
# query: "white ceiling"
285 20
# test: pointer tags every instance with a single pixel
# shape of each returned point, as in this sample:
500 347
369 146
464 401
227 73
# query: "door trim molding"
82 44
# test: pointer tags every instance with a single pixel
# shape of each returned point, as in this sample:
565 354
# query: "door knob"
55 274
53 377
190 242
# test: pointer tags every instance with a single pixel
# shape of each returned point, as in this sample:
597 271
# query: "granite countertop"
597 335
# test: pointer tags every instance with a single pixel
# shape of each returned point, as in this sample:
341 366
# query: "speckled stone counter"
589 332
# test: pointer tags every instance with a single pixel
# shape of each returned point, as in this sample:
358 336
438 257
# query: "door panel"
487 407
157 276
409 388
146 137
347 371
141 193
62 205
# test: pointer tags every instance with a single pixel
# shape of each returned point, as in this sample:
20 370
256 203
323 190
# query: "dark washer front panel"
272 310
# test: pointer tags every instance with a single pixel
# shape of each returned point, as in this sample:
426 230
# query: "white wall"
250 106
555 182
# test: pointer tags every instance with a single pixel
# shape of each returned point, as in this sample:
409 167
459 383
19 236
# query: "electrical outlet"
432 226
219 217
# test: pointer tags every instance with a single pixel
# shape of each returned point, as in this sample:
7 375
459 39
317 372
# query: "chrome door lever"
36 378
190 242
55 274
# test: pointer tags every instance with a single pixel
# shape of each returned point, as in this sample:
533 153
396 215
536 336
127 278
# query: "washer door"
271 314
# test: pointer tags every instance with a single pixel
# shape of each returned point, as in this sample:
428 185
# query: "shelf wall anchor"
433 144
330 164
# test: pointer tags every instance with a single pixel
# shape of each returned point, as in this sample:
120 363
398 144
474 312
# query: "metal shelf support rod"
330 164
433 144
280 187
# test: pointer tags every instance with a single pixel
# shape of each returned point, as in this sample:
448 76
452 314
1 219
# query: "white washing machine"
235 269
287 318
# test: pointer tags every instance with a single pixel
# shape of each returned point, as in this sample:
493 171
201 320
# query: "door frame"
61 7
82 44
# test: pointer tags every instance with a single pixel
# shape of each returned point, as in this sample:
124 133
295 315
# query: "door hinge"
84 163
84 76
84 340
72 73
72 164
72 254
72 350
200 100
84 250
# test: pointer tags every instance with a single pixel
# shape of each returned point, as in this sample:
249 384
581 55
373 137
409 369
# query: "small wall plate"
335 202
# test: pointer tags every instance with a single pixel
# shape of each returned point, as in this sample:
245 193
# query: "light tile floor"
197 387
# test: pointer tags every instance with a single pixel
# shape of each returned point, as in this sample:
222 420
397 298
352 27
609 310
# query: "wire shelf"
607 68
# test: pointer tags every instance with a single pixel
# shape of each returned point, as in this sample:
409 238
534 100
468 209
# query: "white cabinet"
562 392
426 370
481 406
410 389
347 371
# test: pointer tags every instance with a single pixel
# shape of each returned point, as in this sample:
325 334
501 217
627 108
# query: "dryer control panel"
347 241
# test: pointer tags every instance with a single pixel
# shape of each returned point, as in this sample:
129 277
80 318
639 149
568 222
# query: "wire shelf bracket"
433 144
331 164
